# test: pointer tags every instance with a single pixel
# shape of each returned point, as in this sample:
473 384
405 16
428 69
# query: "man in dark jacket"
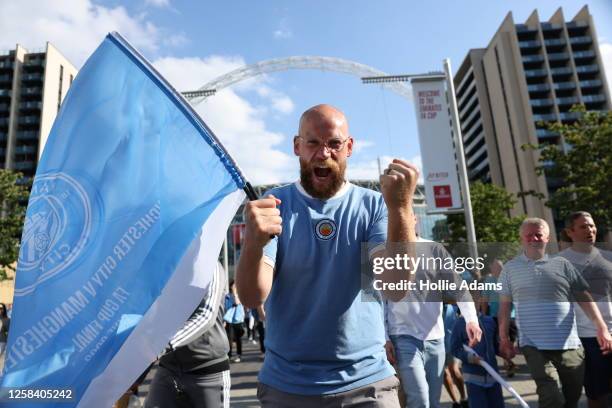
194 372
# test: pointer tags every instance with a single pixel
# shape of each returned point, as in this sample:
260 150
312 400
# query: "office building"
32 87
529 74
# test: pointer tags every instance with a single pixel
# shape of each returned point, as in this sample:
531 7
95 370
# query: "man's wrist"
253 245
252 250
403 212
602 327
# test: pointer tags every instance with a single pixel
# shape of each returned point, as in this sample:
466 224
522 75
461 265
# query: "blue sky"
192 42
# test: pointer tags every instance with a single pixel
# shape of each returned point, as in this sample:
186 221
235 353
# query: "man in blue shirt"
325 335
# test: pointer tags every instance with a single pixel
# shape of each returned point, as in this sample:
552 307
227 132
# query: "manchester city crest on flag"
57 228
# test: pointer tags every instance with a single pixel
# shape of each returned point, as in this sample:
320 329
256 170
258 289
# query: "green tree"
497 232
13 195
583 164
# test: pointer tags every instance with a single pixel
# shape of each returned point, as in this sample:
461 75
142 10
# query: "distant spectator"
595 266
234 319
5 322
453 378
260 319
489 306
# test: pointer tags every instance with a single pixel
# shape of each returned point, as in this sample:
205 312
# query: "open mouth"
322 172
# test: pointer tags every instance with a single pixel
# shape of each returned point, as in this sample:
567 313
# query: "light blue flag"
128 211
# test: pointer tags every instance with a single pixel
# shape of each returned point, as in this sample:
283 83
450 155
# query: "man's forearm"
592 312
253 277
401 238
503 318
401 226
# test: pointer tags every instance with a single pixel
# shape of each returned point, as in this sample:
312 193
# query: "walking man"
542 289
595 266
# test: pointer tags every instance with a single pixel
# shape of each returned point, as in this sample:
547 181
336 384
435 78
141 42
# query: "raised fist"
263 220
398 184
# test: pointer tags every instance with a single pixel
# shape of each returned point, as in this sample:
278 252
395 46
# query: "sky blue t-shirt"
321 336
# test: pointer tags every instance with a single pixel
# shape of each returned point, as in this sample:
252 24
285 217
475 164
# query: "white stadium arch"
296 62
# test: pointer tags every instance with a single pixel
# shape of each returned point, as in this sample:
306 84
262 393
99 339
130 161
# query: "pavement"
244 382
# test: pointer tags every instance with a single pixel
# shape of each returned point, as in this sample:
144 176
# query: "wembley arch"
297 62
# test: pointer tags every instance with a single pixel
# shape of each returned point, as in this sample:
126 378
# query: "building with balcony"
529 74
32 87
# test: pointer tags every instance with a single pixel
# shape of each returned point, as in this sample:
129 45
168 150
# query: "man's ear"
349 148
296 143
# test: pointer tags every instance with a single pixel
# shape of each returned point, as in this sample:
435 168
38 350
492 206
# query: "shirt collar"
340 193
524 258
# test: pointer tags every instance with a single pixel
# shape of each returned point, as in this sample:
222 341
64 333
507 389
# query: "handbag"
230 314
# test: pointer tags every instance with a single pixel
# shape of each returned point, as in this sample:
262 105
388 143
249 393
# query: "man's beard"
335 178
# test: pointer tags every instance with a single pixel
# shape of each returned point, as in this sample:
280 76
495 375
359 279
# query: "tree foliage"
13 196
497 232
583 165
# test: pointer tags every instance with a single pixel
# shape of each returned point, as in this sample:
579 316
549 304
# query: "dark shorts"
598 369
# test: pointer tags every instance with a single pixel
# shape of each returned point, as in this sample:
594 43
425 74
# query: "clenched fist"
398 184
262 221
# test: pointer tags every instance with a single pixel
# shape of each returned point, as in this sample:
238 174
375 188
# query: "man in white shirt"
415 331
595 266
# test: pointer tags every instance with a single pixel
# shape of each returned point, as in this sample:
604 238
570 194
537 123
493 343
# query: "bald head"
323 144
321 118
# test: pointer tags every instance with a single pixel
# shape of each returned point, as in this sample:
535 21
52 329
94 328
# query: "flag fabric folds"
128 211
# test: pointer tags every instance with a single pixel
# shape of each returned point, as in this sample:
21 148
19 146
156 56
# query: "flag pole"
497 377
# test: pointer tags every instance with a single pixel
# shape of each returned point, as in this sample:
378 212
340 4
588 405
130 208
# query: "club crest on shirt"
326 229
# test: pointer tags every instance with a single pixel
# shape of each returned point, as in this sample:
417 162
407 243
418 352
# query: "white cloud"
368 170
238 124
361 144
283 104
279 102
606 55
192 73
75 27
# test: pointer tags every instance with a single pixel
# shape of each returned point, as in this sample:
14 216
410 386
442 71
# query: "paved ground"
244 383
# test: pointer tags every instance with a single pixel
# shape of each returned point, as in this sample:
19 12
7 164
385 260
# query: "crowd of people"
330 340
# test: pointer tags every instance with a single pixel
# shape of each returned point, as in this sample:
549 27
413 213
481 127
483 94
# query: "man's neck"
534 255
582 247
337 193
